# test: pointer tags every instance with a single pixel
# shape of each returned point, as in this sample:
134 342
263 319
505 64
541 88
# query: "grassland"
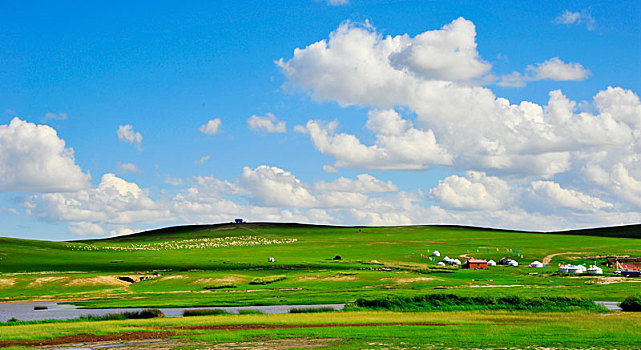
358 330
227 265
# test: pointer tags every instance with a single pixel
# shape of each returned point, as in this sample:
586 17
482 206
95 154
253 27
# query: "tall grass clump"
204 312
632 303
450 302
267 279
302 310
221 285
127 315
250 312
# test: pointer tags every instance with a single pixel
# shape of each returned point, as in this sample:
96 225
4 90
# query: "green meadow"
397 298
355 330
227 265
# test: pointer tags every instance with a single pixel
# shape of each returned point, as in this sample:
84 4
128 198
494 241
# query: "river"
24 311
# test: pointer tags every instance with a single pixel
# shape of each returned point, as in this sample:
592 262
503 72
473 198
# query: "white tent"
595 270
436 253
536 263
440 263
513 263
491 263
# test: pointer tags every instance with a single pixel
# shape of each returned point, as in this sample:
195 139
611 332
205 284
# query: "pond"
24 311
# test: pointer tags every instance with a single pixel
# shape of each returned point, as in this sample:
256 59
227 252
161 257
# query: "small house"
472 263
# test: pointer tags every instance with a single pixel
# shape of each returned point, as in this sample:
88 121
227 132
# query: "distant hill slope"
195 231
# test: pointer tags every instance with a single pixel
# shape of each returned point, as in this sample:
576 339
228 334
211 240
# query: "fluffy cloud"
83 228
398 144
552 69
551 193
569 18
457 123
473 191
114 201
446 54
126 134
268 124
275 187
211 127
34 159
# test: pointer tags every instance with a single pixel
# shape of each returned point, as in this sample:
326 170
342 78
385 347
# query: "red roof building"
472 263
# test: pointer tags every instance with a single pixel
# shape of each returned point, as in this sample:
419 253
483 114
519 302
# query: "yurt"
595 270
436 253
440 263
491 263
512 263
536 263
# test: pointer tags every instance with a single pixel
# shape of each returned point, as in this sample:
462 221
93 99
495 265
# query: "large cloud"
114 201
457 122
34 159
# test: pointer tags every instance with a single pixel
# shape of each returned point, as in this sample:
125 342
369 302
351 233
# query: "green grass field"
227 265
358 330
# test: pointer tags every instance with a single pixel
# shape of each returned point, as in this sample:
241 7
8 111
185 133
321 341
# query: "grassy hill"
222 264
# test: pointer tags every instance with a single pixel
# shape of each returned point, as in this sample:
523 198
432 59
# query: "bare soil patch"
548 258
98 280
7 282
39 281
408 279
88 338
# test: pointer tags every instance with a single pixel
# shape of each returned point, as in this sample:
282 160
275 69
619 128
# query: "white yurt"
580 269
436 253
536 263
564 269
595 270
455 262
513 263
491 263
440 263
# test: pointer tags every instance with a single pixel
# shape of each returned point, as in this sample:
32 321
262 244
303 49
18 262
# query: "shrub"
147 313
220 286
632 303
267 279
204 312
250 312
449 302
302 310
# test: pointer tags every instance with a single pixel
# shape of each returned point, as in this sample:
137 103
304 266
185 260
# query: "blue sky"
119 117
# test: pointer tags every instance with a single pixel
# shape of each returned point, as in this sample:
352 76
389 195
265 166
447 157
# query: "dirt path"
548 258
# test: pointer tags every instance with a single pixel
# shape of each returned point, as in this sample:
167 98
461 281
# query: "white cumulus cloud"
269 124
126 134
211 127
34 159
475 190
